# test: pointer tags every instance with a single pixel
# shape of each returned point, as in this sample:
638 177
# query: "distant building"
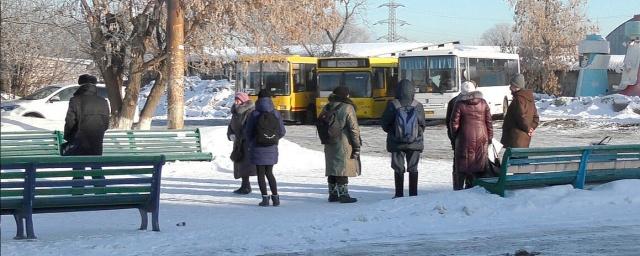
616 39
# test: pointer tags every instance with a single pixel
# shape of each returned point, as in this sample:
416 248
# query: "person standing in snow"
242 166
447 121
342 158
399 147
472 131
264 156
521 118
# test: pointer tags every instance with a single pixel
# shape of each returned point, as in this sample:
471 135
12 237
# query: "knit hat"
242 97
264 93
87 79
341 91
467 87
517 81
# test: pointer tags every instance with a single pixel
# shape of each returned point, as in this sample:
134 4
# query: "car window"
42 93
66 94
102 92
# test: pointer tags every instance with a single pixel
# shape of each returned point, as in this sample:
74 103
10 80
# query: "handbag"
68 148
237 154
493 168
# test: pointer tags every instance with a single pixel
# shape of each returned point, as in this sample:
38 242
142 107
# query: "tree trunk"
159 87
175 38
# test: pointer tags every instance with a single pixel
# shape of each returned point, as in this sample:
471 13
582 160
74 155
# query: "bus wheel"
310 115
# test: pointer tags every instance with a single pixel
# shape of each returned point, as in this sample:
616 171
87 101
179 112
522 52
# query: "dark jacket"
240 114
521 115
337 156
447 119
262 155
86 122
472 130
404 94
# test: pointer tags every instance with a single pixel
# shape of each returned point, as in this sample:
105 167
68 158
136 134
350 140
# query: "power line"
391 22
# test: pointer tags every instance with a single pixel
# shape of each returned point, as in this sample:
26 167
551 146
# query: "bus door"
379 91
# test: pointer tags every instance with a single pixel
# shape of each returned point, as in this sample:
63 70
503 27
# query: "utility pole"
392 22
175 43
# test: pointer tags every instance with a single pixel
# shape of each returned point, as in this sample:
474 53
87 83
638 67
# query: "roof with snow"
616 63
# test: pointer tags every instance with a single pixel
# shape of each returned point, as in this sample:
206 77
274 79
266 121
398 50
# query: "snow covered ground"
219 222
600 110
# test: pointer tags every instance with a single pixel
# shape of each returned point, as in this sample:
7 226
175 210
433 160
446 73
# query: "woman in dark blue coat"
264 157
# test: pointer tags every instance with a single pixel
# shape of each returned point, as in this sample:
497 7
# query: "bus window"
272 76
414 69
299 84
310 75
378 78
328 81
441 74
492 72
358 83
392 81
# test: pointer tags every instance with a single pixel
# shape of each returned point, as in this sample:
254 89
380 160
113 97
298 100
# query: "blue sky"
465 20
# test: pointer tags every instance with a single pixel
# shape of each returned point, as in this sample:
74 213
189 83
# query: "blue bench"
537 167
31 185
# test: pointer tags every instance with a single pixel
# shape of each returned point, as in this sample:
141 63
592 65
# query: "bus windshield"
436 74
272 76
359 83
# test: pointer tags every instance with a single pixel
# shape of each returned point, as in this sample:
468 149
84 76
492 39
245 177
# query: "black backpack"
267 129
329 129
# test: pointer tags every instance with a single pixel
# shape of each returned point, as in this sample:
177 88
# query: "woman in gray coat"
242 166
342 158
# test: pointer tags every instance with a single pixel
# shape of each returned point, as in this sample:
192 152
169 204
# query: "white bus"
438 71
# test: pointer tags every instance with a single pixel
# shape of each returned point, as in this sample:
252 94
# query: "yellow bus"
371 82
290 79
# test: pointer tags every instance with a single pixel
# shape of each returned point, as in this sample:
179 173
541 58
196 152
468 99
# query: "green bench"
176 145
183 145
31 185
30 143
538 167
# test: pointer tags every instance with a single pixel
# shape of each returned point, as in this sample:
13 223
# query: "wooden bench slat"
99 190
12 175
95 172
40 204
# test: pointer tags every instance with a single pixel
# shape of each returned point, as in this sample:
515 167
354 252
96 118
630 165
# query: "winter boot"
399 179
245 188
275 199
343 195
333 193
265 201
413 183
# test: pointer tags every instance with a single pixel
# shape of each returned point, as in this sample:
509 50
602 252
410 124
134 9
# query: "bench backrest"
598 161
48 181
175 144
30 143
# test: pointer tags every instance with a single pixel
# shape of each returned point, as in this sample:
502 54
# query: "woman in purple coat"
264 157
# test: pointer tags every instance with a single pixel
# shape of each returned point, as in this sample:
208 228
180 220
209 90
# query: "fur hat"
518 81
87 79
467 87
242 97
341 91
264 93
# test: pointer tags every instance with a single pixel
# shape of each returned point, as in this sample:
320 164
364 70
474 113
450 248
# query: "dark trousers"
338 180
461 179
398 159
266 170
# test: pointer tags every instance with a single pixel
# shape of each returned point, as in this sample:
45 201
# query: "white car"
50 102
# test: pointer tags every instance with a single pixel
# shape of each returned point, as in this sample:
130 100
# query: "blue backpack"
406 124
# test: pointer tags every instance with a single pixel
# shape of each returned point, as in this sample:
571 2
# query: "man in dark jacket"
87 119
401 150
86 122
521 118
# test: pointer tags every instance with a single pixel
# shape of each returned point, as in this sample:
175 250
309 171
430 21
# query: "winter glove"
355 154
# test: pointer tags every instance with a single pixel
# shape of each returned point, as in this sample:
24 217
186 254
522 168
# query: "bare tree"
348 8
503 35
175 44
549 33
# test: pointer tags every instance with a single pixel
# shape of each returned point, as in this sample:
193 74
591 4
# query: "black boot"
413 183
399 180
245 188
275 199
265 201
343 195
333 193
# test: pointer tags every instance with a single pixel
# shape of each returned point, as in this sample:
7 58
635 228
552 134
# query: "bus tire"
310 115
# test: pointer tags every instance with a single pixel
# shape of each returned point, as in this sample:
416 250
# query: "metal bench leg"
19 227
154 219
143 219
30 233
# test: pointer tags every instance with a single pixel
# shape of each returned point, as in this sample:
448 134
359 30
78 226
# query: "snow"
202 99
607 109
222 223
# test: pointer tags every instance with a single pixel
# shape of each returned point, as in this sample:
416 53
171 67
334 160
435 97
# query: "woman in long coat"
472 131
342 159
242 166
